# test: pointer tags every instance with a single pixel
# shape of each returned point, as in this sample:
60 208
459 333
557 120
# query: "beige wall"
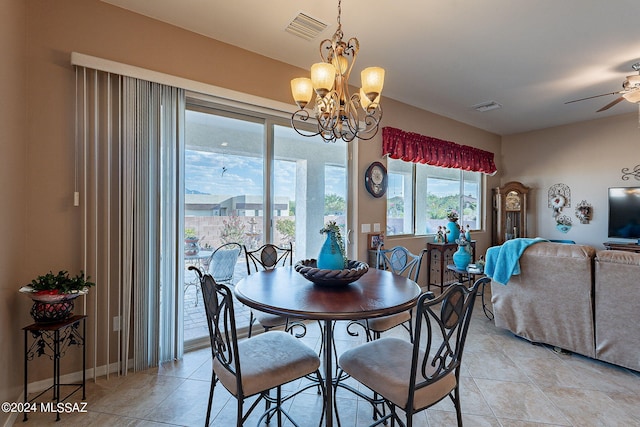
588 157
40 225
13 188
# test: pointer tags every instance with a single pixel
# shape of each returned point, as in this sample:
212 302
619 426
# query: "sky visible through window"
221 173
438 187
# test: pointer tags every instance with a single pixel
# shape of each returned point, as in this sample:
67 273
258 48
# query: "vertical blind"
129 163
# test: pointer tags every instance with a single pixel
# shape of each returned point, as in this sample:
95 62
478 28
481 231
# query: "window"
399 197
419 197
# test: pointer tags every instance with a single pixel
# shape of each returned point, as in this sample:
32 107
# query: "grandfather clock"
509 212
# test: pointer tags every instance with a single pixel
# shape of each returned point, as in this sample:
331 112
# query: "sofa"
576 298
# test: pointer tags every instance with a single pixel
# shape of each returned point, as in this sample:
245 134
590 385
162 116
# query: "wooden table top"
284 291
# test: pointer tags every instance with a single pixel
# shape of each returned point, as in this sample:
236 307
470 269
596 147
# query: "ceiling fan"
630 91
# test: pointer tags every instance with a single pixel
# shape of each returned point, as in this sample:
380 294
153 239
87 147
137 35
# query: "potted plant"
190 235
191 246
53 295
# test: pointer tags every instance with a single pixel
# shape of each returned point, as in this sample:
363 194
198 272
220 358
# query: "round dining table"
284 291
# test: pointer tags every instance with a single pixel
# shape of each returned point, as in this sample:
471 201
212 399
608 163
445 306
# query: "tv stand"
629 247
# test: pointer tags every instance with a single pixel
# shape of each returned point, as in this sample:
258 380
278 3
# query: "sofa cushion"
617 307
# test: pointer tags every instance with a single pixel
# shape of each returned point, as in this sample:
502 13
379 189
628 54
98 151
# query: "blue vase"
330 256
454 231
462 258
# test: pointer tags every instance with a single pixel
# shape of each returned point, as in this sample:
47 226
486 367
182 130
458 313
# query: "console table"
629 247
53 340
438 256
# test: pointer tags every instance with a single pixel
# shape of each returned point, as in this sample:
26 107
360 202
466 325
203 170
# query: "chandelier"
336 113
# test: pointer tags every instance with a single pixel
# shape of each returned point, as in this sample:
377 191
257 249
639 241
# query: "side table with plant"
53 295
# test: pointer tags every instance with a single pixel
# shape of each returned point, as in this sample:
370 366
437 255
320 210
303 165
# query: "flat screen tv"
624 212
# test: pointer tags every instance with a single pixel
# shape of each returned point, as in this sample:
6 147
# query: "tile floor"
505 381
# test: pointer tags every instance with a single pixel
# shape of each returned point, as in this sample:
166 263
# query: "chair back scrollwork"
401 261
446 320
218 302
268 257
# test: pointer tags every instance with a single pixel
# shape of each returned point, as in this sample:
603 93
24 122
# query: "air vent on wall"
486 106
305 27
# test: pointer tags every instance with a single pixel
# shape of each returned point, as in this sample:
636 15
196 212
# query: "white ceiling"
445 56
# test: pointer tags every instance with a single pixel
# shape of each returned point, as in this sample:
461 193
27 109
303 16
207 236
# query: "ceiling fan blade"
591 97
611 104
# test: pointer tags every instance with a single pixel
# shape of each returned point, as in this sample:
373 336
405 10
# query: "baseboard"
73 377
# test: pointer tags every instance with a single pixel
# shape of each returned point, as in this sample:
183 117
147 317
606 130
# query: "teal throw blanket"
502 262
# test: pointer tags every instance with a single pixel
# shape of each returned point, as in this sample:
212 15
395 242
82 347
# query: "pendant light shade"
323 76
372 81
302 91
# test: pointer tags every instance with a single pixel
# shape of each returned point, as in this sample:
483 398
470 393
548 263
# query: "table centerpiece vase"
331 256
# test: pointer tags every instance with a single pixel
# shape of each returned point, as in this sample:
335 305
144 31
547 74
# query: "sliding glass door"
251 179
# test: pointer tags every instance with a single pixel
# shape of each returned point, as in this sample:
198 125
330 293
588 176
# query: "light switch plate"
365 228
376 227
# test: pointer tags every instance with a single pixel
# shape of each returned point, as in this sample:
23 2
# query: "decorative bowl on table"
354 270
51 306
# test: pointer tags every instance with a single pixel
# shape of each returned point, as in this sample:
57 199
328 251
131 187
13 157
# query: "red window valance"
416 148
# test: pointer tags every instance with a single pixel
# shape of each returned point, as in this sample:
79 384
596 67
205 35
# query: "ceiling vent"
305 27
486 106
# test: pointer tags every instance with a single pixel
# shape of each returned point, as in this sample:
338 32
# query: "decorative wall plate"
563 223
559 197
584 211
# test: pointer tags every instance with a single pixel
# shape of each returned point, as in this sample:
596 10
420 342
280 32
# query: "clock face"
377 175
375 179
512 201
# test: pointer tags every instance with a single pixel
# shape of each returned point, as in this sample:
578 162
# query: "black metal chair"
400 261
253 366
411 377
268 257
